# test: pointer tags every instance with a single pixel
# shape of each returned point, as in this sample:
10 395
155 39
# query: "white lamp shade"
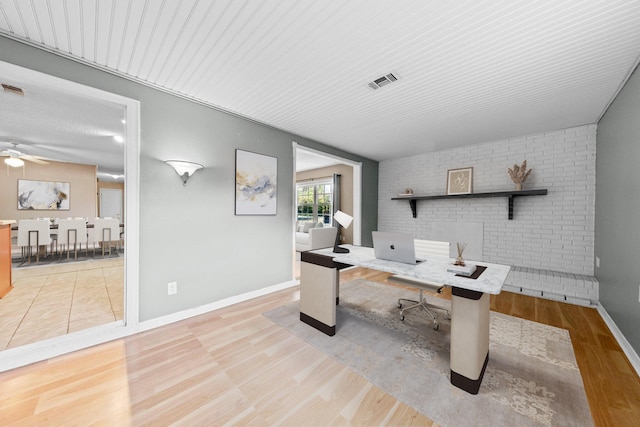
14 162
183 167
343 219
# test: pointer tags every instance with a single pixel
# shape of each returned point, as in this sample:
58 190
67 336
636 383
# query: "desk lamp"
344 221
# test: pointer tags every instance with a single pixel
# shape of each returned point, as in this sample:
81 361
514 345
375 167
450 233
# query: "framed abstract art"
43 195
256 184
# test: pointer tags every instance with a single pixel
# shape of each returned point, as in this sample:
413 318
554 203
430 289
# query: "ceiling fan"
15 158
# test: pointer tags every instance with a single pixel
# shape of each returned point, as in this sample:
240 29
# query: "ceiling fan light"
14 162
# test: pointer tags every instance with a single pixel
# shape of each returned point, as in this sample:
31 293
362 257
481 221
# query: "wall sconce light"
184 169
14 162
343 220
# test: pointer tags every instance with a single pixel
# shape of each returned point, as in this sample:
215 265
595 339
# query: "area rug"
532 378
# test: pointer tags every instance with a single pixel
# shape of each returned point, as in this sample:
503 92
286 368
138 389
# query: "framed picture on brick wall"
460 181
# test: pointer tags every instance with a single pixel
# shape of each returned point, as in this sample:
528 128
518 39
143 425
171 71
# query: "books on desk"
463 270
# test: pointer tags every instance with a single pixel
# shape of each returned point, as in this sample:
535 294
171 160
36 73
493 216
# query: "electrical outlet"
597 262
172 288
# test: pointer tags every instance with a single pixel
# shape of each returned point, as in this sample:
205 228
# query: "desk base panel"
329 330
467 384
469 349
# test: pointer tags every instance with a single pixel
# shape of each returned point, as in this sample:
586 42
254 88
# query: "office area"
208 197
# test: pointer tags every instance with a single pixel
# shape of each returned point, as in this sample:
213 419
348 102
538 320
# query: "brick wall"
553 232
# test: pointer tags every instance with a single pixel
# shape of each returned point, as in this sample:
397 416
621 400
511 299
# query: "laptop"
397 247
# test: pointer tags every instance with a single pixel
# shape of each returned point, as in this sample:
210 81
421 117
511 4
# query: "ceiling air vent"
382 81
12 89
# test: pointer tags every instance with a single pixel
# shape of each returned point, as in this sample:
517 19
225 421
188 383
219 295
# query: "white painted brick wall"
553 232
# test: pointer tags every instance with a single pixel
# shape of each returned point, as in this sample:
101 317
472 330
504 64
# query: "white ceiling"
469 71
308 160
58 125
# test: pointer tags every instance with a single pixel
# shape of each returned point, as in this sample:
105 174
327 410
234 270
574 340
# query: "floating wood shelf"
511 195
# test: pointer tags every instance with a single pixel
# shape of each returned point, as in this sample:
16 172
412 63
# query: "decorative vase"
519 174
459 260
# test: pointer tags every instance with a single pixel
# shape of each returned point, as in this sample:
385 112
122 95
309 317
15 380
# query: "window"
314 201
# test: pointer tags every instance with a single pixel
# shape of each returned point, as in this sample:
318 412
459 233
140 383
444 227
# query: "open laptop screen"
398 247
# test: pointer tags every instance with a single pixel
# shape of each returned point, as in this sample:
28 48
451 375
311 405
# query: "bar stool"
33 232
105 231
72 231
53 234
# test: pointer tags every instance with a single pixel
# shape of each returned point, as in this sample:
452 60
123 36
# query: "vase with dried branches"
461 247
519 174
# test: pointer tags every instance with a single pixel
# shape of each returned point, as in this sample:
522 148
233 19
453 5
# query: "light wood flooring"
235 367
58 298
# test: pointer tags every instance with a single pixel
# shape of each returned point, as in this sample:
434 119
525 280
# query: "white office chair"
105 231
33 232
72 232
425 249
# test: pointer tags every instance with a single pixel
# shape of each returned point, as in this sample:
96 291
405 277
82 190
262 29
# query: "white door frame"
42 350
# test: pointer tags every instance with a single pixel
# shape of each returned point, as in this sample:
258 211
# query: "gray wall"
190 234
617 227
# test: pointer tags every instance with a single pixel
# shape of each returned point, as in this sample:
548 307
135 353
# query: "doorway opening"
313 169
55 150
110 203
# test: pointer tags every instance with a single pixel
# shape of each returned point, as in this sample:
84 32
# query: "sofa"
309 237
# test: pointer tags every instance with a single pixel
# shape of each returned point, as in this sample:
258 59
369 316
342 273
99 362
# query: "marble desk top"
434 269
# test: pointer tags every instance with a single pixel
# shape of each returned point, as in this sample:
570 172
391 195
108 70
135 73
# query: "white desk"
319 295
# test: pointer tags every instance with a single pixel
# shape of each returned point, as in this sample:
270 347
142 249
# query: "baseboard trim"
617 334
196 311
47 349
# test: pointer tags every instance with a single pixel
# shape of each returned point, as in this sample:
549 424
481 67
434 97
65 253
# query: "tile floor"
55 299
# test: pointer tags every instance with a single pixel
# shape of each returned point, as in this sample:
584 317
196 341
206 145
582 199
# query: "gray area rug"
532 378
